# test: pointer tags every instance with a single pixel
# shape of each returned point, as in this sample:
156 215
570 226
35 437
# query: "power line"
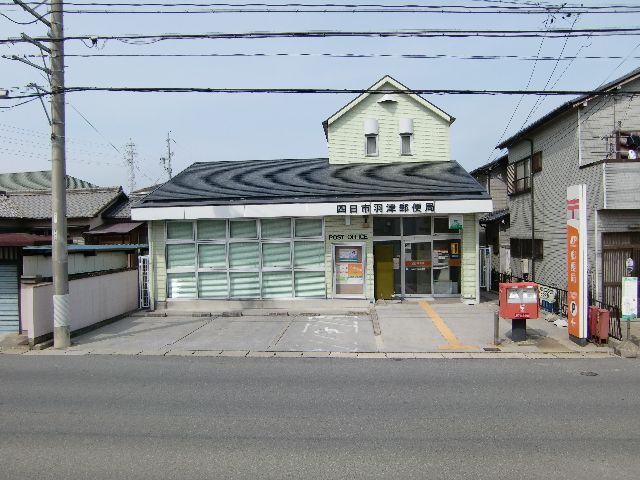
555 66
325 91
418 56
425 33
369 10
514 6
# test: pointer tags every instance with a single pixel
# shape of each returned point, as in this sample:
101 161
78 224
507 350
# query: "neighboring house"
584 141
25 220
118 228
495 225
378 219
25 204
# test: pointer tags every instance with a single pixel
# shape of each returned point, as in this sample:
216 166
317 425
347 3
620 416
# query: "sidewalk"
441 329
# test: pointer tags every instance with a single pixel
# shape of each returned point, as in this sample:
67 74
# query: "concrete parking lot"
433 329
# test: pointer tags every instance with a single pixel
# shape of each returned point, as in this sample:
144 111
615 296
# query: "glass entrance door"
417 268
446 267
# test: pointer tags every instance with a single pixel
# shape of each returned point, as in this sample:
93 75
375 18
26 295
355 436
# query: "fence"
554 300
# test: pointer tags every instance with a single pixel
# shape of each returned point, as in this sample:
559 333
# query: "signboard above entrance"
386 208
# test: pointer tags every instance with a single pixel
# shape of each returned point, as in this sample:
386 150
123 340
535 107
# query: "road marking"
452 341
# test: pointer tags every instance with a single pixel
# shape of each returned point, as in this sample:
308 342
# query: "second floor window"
521 178
371 137
371 145
520 173
405 143
405 129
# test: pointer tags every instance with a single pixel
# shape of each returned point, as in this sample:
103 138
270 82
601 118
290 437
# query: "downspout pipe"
533 216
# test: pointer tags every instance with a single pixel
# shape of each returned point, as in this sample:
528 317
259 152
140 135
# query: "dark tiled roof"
19 181
122 210
566 107
83 203
487 167
494 216
312 180
115 228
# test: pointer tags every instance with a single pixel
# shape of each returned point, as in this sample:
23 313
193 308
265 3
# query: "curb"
324 354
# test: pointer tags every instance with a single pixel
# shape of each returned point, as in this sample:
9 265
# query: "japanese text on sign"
386 208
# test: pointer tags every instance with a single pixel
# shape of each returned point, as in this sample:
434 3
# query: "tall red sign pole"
577 263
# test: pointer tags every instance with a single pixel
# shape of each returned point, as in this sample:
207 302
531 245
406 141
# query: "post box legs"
518 330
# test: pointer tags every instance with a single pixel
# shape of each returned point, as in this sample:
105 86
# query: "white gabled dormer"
388 127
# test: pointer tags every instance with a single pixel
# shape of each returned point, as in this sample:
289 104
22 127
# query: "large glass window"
243 229
276 228
276 254
181 285
179 231
276 284
386 226
212 255
416 226
213 284
245 284
309 254
212 229
244 255
269 258
308 227
309 284
181 255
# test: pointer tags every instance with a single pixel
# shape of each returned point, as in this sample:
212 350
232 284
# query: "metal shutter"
9 305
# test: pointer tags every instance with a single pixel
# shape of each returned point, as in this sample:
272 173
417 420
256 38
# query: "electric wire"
295 90
410 56
421 33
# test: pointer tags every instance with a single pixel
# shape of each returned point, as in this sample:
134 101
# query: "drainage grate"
589 374
491 349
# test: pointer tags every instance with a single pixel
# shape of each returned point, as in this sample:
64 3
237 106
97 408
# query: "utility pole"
166 161
59 259
130 158
59 256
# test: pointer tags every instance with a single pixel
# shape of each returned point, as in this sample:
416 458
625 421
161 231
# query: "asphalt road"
179 417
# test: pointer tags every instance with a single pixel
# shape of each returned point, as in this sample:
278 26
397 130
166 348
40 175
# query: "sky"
227 127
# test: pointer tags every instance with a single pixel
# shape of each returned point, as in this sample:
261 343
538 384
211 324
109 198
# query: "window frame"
521 248
410 137
366 145
532 165
227 243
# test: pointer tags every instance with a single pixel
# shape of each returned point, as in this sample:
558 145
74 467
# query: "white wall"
92 300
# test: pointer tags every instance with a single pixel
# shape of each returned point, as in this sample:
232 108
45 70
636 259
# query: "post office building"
388 215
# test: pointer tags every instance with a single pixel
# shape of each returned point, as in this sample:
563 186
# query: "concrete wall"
335 226
92 300
78 263
430 137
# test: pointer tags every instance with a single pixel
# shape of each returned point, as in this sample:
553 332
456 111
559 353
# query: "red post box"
519 301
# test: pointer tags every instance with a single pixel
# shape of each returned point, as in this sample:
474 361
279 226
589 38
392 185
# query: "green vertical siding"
469 257
158 261
430 137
